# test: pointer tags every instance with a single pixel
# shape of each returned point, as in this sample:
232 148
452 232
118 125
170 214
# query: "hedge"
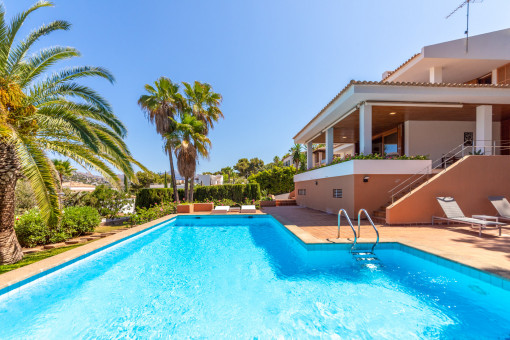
146 198
235 192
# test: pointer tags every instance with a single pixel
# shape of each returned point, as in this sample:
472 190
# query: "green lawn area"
31 258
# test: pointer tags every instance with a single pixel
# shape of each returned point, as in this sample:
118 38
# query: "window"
301 192
337 193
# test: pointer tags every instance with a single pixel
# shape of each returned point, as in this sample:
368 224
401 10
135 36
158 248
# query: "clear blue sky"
276 63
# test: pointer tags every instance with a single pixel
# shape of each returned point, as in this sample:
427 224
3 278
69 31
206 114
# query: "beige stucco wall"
357 194
436 138
470 182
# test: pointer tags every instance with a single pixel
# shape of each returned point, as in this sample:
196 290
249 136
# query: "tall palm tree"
51 113
204 103
63 168
162 103
193 143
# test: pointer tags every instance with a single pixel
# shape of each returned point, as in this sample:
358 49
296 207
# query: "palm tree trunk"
192 186
10 249
186 188
172 173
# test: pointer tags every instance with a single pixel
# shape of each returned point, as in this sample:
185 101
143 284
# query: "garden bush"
107 201
144 215
277 180
31 229
79 220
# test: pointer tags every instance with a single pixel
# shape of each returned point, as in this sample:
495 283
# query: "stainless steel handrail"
442 164
350 223
371 222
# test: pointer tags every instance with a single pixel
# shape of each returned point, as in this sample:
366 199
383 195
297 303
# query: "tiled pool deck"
458 243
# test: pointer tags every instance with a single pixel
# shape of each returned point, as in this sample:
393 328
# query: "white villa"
444 103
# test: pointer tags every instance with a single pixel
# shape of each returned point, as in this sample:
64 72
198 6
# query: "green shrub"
79 220
144 215
106 200
31 229
277 180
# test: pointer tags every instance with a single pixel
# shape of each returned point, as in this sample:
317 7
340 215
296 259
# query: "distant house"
209 179
287 160
449 103
77 186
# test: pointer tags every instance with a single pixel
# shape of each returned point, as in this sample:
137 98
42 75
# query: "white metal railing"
478 147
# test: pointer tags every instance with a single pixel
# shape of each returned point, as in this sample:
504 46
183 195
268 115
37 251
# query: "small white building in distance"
209 180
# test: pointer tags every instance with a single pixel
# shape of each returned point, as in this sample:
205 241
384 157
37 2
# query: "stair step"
379 213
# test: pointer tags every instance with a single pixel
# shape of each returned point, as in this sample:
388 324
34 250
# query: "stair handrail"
428 168
444 160
373 226
340 212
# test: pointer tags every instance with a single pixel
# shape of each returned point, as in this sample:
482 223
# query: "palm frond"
38 171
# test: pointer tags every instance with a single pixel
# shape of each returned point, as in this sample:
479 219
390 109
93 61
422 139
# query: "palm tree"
295 153
162 103
51 113
193 143
63 168
204 103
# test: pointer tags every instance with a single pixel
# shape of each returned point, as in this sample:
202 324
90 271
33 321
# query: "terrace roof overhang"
424 101
486 52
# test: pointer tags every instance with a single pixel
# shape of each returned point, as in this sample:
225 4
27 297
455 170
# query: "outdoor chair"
222 209
502 206
454 214
248 209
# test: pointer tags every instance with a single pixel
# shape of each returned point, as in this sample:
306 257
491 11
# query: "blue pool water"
234 277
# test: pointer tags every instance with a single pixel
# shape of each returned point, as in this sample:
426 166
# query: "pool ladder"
359 255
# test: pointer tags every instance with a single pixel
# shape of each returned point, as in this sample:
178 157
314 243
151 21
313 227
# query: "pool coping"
21 276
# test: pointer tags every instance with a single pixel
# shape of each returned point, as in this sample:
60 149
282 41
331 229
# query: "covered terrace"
411 119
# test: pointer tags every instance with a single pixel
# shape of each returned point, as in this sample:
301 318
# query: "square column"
484 129
309 155
329 145
436 74
365 129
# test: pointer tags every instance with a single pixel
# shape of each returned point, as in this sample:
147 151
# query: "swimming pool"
226 277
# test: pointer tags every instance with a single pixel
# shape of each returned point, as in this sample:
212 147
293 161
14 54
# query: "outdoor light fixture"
344 137
393 113
316 183
365 179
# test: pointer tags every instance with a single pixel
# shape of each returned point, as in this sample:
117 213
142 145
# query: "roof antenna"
464 3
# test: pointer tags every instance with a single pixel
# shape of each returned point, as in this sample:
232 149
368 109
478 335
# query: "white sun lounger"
454 214
502 206
221 209
248 209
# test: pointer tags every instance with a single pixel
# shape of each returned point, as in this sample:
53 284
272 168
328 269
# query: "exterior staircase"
379 215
